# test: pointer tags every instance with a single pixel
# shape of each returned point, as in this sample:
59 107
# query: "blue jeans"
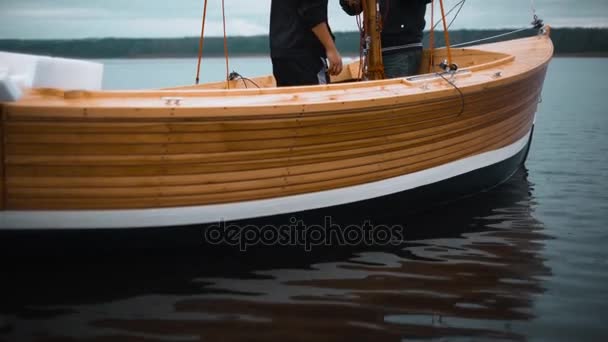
402 63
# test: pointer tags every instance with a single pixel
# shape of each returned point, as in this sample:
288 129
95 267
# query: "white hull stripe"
116 219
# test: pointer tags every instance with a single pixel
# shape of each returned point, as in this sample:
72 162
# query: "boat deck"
485 66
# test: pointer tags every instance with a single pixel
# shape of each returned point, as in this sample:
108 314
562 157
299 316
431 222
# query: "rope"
457 89
445 33
365 43
225 46
535 24
490 38
432 38
448 13
363 62
200 43
359 21
461 3
236 76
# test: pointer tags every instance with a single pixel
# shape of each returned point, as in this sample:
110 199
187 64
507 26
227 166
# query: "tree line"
580 41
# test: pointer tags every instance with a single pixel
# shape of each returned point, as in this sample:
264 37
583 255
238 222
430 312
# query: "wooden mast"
375 68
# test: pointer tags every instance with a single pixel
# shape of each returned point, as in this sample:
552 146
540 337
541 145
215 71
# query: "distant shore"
569 42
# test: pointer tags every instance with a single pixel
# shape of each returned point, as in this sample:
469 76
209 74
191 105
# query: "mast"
371 17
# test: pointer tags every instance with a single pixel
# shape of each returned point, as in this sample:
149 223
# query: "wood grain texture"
121 150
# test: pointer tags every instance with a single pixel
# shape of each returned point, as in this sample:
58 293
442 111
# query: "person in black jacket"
301 42
403 23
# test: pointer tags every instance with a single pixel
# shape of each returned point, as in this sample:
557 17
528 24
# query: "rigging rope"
361 27
359 20
200 43
462 102
225 46
536 24
446 33
364 43
236 76
432 38
435 24
493 37
365 40
461 2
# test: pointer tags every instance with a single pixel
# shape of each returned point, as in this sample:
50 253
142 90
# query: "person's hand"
335 62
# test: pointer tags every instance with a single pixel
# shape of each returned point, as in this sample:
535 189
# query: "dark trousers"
298 71
402 63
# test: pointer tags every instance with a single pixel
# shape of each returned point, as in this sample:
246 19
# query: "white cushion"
9 91
29 71
20 65
68 74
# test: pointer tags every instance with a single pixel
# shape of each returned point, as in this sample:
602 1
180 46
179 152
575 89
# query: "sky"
73 19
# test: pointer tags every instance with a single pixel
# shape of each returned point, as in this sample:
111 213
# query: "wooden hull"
243 153
396 209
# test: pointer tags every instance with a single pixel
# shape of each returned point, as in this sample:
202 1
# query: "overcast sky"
50 19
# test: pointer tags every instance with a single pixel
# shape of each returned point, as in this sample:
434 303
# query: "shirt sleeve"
313 12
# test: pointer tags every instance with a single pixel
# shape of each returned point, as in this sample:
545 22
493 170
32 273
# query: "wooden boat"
202 154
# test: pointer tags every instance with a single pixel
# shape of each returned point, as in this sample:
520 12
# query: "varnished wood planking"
262 103
330 143
369 163
387 145
239 118
469 104
112 203
311 174
19 134
59 148
188 167
415 111
406 145
294 155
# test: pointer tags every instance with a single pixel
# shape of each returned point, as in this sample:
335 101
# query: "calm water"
527 260
162 73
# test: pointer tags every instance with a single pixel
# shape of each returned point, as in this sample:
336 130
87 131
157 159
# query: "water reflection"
470 269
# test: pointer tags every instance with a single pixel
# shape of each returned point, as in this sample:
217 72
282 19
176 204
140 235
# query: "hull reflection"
472 270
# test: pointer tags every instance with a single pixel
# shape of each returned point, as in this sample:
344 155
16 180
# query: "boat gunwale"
378 97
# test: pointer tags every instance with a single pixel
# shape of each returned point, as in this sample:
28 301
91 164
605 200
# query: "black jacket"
402 20
291 23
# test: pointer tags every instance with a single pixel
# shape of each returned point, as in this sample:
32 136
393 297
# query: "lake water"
162 73
527 260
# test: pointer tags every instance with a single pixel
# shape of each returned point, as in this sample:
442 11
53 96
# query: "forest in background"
567 41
